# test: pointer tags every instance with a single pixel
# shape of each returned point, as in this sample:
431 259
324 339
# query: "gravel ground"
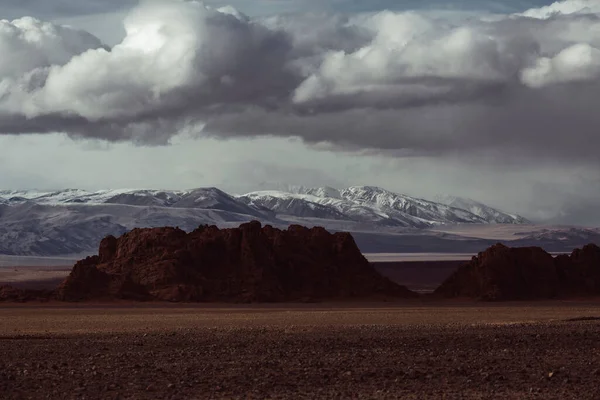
408 352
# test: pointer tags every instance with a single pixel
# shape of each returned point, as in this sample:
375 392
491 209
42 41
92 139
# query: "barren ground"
34 277
419 276
414 350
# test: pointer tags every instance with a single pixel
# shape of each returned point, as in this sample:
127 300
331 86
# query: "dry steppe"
409 350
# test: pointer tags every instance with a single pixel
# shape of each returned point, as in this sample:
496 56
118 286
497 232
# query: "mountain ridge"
407 210
479 209
73 221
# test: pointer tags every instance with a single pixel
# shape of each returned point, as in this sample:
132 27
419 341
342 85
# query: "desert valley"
256 311
294 199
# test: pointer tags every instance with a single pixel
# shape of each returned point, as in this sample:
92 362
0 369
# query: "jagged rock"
503 273
249 263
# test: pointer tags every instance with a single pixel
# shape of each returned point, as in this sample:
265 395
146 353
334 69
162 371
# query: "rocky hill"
504 273
246 264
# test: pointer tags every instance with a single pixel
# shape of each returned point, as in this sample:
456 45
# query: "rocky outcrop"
246 264
580 271
503 273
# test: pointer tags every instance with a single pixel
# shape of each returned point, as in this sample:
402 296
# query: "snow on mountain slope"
205 198
62 196
20 195
290 204
215 199
310 206
79 196
377 205
41 229
392 208
489 214
390 202
358 203
158 198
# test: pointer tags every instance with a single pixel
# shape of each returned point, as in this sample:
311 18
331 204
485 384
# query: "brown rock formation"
580 271
249 263
503 273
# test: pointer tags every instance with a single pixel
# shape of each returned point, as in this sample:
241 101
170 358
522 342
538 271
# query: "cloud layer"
410 83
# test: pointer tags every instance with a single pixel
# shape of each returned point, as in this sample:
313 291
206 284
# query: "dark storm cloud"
514 122
393 81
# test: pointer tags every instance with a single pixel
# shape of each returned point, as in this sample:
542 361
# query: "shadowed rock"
246 264
503 273
12 294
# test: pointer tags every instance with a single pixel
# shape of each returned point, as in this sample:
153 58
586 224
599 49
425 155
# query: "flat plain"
410 350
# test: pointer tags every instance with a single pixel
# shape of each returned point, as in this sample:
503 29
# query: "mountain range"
73 221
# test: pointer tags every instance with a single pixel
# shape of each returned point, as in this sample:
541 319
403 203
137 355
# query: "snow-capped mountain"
74 221
393 203
358 203
304 206
28 228
376 205
208 198
487 213
309 206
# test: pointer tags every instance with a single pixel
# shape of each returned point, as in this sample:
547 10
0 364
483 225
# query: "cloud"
61 8
30 44
178 60
564 7
404 83
579 62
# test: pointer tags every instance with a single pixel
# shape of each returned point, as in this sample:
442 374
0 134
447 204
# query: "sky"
492 100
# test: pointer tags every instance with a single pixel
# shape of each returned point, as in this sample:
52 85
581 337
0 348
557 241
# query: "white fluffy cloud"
28 44
417 82
411 55
579 62
564 7
174 52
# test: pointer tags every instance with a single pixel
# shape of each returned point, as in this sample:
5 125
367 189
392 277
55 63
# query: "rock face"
581 271
503 273
246 264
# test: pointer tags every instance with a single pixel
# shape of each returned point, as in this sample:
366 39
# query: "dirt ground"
34 277
419 276
413 350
